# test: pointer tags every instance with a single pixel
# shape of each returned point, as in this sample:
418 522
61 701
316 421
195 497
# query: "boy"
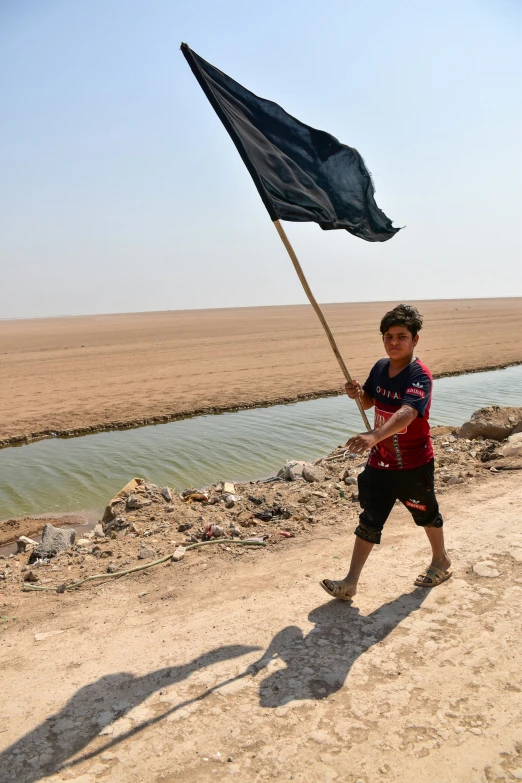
400 464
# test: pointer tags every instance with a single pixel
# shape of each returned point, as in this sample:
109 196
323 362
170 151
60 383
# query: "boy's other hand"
353 389
361 443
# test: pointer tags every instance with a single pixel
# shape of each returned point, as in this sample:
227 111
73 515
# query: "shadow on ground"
316 666
62 735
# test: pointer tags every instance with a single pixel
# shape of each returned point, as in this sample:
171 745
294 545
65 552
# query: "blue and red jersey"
411 447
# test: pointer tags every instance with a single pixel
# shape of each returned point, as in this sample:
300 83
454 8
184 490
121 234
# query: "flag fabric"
302 174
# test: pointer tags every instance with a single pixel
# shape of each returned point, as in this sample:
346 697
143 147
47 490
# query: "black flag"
302 174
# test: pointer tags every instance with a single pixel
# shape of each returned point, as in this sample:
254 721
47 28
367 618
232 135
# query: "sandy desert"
74 375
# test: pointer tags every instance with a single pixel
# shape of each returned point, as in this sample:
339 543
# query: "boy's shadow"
68 731
317 665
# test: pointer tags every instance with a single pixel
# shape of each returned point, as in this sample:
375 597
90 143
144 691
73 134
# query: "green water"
84 473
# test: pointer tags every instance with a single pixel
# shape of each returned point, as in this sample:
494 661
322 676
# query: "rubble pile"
145 522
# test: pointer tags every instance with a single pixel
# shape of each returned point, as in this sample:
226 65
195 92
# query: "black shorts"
379 489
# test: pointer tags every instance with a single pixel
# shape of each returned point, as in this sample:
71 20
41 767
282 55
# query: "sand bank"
81 374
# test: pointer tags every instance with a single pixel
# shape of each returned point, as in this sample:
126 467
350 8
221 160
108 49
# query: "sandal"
432 576
335 589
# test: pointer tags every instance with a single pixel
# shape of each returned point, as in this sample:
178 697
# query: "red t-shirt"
411 447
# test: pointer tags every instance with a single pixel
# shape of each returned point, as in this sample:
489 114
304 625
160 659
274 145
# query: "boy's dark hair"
403 315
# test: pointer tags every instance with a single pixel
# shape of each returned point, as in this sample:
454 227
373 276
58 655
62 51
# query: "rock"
116 524
452 479
145 553
170 509
112 568
30 576
228 488
256 501
184 526
245 518
23 542
39 637
132 486
234 531
178 554
350 481
166 493
313 473
492 422
98 531
292 470
513 446
83 542
231 500
486 568
134 503
54 540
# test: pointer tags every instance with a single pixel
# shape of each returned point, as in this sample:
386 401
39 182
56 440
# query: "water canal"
52 476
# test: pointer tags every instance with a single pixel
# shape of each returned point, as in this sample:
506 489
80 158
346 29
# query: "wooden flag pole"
304 282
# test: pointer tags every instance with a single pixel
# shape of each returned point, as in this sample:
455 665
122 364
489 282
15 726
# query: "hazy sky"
121 191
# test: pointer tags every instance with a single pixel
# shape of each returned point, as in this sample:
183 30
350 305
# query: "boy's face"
399 343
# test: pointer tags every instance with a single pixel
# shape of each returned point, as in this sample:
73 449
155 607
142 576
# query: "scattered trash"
264 516
196 497
213 531
217 515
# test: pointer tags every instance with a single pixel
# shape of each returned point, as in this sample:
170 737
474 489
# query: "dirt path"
71 375
208 670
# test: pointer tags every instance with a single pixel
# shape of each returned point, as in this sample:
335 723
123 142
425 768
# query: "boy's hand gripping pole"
304 282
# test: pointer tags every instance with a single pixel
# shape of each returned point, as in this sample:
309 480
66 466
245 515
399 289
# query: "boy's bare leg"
360 553
440 557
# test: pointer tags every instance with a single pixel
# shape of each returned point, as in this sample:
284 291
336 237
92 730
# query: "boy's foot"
433 576
342 590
